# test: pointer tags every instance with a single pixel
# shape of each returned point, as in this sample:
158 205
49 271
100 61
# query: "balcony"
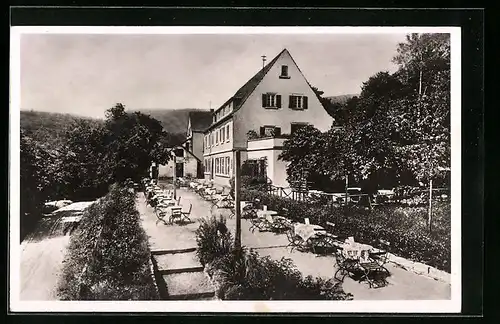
266 142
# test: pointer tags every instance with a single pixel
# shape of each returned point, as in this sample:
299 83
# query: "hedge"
241 274
108 256
404 227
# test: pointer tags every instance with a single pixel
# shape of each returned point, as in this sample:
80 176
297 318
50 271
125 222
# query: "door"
179 170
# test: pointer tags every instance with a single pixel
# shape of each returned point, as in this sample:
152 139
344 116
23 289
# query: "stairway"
180 276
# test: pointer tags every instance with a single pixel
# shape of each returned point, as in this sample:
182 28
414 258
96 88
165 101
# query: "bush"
244 275
404 227
108 255
213 239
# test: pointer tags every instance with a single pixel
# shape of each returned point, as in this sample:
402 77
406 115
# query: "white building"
274 103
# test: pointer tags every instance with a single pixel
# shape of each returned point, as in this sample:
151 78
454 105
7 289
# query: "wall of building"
190 167
270 149
197 144
251 116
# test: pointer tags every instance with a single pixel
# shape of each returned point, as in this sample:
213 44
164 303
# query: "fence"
362 198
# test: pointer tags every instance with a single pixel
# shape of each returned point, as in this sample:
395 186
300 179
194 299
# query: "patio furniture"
185 215
263 221
250 209
381 254
354 257
294 240
175 214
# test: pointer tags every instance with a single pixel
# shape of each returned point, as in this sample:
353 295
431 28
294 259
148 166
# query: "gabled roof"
246 90
200 120
170 149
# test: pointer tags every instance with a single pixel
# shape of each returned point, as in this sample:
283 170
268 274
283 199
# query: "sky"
85 74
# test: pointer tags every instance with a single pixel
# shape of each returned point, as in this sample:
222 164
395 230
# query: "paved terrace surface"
403 285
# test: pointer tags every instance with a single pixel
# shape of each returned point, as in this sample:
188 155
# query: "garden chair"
381 252
250 210
175 215
280 225
374 273
294 241
345 264
185 215
259 223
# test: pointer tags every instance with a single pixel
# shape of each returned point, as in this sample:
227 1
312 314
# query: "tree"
305 150
133 142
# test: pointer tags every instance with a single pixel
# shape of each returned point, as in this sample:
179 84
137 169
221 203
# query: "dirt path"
42 255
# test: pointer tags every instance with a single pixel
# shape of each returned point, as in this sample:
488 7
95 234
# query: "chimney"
211 110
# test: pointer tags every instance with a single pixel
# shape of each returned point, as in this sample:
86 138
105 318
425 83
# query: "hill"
174 121
341 99
49 127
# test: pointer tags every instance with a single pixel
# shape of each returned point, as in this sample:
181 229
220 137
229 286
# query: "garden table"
266 214
355 256
307 231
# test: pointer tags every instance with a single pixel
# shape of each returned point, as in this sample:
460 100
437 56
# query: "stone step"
161 252
178 262
189 286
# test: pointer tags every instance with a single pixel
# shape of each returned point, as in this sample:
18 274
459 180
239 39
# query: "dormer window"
284 72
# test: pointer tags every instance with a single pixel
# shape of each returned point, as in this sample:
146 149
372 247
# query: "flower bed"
241 274
404 227
108 256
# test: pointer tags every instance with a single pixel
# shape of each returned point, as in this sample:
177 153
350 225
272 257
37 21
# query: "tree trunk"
429 219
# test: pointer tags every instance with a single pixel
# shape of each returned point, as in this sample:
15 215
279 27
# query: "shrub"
108 255
244 275
213 239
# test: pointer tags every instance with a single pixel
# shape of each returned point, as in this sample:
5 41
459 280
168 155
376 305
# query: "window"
297 102
270 131
216 165
179 152
228 161
216 137
296 126
223 134
284 72
271 100
227 132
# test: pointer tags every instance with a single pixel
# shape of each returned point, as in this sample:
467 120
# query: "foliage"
396 132
39 180
48 128
108 255
242 274
251 134
404 227
213 239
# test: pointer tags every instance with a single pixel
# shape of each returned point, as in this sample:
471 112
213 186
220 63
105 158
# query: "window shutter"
304 99
290 99
263 100
262 130
277 131
278 101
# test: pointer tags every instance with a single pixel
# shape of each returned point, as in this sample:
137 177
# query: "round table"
266 213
